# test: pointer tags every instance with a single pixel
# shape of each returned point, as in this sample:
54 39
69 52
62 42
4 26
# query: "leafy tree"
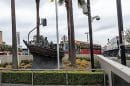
5 47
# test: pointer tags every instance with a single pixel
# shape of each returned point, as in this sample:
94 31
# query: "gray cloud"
26 19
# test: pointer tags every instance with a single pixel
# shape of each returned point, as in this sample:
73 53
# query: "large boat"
44 54
44 51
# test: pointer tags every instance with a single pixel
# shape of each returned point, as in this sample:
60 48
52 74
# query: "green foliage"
26 61
53 77
16 77
47 78
85 78
84 58
5 64
80 2
97 64
4 47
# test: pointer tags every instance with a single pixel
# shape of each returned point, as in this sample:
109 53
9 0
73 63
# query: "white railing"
111 66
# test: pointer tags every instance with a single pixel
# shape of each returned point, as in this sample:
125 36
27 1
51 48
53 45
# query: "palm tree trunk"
68 17
71 35
14 41
38 19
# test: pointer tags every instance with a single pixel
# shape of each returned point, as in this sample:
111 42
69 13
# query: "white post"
17 36
57 35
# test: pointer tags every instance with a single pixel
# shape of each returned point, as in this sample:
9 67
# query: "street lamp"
43 23
87 11
93 18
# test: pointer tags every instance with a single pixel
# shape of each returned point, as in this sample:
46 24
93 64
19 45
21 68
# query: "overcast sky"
26 19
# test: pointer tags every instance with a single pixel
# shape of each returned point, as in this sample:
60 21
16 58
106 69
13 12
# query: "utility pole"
120 27
14 40
90 33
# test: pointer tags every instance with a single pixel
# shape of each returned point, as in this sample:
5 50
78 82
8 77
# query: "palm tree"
14 43
38 19
71 37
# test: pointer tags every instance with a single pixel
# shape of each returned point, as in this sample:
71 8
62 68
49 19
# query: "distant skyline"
26 19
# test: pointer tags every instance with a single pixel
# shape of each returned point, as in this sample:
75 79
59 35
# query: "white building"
114 43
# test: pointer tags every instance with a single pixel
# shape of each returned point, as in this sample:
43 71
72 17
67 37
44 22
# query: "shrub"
53 77
85 78
6 65
16 77
26 61
97 64
46 78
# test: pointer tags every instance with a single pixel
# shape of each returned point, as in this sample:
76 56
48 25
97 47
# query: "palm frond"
51 0
81 3
61 2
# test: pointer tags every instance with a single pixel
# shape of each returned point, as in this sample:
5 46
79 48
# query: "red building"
83 47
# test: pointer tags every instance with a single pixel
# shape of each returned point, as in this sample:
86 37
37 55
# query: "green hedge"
17 77
53 77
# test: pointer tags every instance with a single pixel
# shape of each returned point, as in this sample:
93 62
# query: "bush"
16 77
6 65
53 77
83 58
85 78
97 64
46 78
26 61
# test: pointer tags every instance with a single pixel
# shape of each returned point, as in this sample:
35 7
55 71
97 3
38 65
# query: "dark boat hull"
44 52
44 58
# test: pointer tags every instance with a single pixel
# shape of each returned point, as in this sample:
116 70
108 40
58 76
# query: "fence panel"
118 81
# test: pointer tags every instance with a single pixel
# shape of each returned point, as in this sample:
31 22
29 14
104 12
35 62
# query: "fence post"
104 79
66 75
32 78
0 78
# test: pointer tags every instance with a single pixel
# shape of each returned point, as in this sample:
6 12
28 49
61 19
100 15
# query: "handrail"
115 67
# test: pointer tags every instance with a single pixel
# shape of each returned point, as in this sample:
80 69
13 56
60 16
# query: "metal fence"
118 81
30 79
